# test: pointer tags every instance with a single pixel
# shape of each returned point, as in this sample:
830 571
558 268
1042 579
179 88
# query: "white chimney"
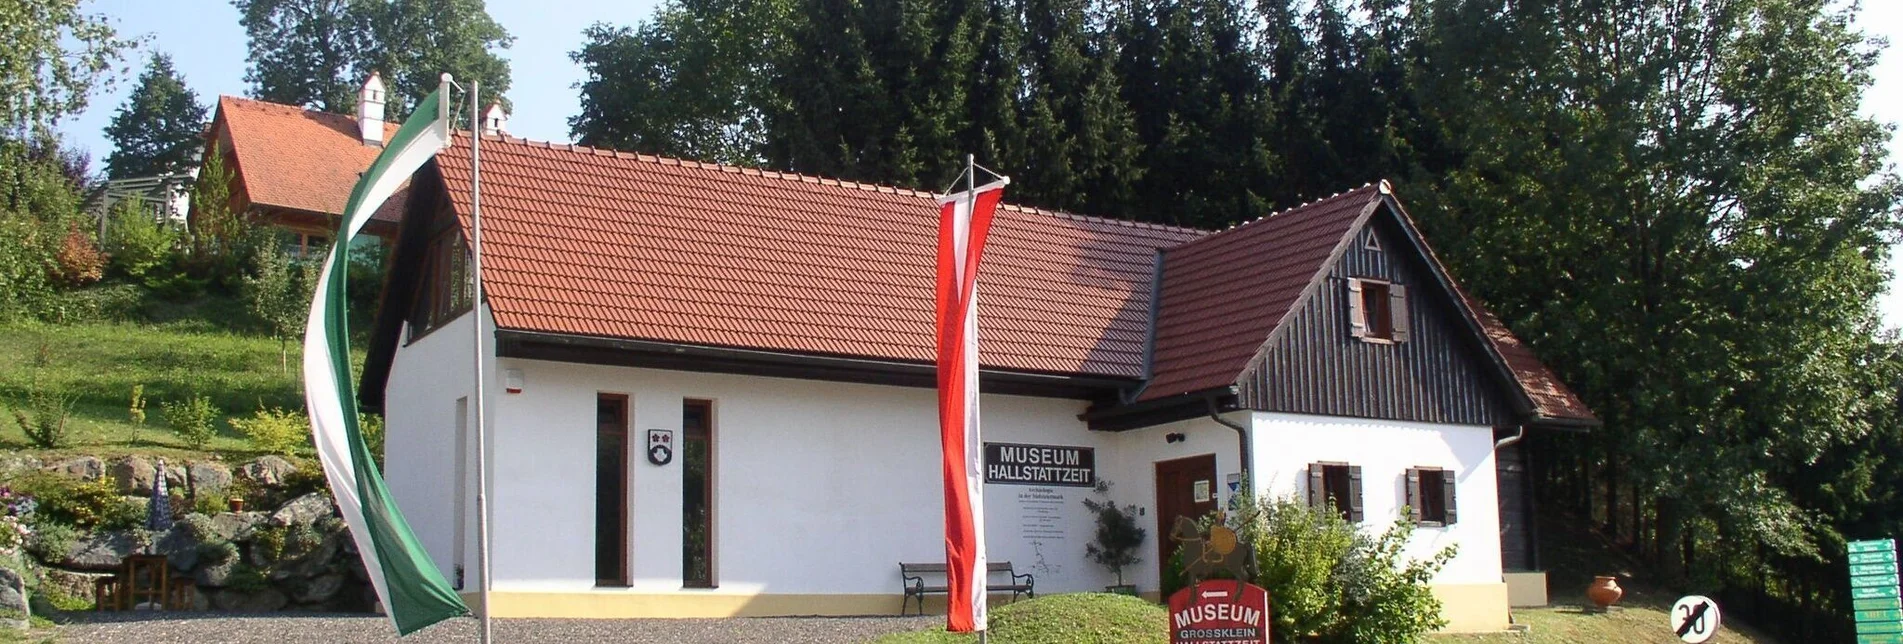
495 120
370 111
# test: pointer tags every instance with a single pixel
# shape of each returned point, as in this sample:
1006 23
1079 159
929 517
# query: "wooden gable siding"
1315 366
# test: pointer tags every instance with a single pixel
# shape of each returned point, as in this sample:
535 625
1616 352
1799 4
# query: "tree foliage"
316 53
52 57
160 127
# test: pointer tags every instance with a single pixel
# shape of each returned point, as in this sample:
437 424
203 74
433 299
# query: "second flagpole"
485 631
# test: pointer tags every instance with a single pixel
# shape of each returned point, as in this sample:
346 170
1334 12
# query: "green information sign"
1885 615
1880 603
1879 627
1878 557
1873 545
1871 592
1880 638
1873 581
1862 570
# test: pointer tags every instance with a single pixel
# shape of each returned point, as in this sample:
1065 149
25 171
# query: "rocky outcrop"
85 468
15 464
208 477
266 471
14 612
100 551
303 510
133 475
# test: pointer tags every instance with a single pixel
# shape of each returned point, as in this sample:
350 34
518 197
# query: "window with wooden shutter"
1430 493
1397 312
1377 311
1336 485
1357 318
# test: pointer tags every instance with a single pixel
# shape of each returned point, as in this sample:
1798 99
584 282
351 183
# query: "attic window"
1372 243
1377 311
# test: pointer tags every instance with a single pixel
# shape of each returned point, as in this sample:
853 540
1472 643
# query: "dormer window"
1377 311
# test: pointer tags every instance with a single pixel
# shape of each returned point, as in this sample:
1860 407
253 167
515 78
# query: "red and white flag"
964 219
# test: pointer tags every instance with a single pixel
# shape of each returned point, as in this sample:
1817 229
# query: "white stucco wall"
427 377
822 487
1286 443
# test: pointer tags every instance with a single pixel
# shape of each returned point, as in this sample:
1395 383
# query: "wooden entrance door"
1178 484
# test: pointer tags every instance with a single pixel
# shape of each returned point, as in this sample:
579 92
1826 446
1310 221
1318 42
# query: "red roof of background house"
589 242
298 159
1225 293
597 243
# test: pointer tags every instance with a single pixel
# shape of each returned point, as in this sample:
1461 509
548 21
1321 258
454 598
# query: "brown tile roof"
298 159
597 243
1225 293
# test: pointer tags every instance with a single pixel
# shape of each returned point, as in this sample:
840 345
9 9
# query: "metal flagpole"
475 273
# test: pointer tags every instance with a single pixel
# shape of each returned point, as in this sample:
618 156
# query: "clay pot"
1604 591
236 504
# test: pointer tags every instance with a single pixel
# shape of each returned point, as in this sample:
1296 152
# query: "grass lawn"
183 350
1083 618
1638 623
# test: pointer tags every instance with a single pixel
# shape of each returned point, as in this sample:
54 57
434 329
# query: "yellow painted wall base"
615 604
1526 589
1473 608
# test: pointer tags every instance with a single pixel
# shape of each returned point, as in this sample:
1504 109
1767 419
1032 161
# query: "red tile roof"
592 242
298 159
581 241
1225 293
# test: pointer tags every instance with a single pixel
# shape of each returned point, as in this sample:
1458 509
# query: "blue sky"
207 45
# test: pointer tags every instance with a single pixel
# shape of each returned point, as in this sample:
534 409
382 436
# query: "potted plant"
1117 539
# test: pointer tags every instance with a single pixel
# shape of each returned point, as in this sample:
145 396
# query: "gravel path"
277 628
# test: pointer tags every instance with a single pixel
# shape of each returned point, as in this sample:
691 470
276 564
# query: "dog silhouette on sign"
1206 552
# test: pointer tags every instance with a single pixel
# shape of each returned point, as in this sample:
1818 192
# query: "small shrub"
140 245
1117 537
207 503
307 478
44 413
177 287
83 504
192 420
246 579
136 411
268 542
1334 583
275 430
78 261
51 541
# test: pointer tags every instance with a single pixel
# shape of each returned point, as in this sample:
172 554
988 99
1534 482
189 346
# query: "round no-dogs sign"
1220 612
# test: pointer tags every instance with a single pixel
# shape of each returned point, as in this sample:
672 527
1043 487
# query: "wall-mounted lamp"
1174 437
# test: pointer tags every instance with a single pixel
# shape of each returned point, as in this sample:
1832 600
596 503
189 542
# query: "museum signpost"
1221 611
1873 592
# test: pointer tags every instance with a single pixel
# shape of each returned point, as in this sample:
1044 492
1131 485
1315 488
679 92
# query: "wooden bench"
913 575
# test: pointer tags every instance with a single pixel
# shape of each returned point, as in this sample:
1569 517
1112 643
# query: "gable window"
1377 311
1338 486
446 284
1430 496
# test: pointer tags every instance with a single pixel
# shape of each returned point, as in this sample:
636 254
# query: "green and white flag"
413 591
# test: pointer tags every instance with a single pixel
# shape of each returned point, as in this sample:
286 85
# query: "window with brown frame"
1338 486
1430 496
1377 311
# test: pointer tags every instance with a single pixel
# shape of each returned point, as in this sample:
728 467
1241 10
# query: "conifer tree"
158 129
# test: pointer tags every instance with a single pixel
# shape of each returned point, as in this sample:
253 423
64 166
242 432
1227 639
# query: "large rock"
13 607
208 477
133 475
319 589
215 575
181 544
176 477
102 551
236 526
85 468
305 509
261 601
268 471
